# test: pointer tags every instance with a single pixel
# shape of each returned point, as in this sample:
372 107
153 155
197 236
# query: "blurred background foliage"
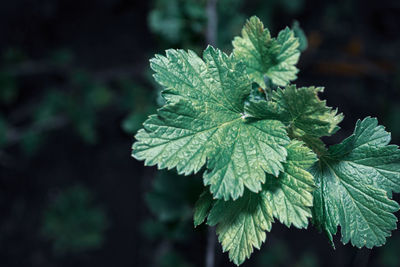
75 86
72 223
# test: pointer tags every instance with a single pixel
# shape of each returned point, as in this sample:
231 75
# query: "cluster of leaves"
73 223
257 140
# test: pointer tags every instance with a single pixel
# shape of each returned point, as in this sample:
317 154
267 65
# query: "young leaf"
203 120
353 181
301 109
241 224
266 56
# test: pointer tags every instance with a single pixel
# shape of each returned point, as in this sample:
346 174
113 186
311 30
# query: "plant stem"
211 38
212 22
210 252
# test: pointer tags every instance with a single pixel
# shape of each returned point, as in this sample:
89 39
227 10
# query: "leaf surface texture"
203 122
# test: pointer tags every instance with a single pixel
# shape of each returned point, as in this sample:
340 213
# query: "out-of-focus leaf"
172 196
3 130
389 254
168 26
8 88
276 255
87 130
73 222
31 142
84 103
134 96
202 208
173 259
393 119
233 20
62 57
13 55
291 6
177 231
178 21
99 96
307 259
136 99
299 33
53 103
133 122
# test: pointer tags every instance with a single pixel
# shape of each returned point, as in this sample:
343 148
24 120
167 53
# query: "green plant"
257 140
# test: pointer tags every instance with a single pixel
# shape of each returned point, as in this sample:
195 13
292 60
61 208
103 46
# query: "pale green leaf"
241 224
353 181
265 56
202 208
368 151
203 121
290 196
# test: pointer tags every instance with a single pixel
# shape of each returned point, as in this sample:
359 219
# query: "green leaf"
353 183
202 208
265 56
307 117
241 224
203 121
299 33
290 196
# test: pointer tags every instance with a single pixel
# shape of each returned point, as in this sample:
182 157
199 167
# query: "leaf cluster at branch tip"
259 146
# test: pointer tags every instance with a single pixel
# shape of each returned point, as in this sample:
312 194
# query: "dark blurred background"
75 85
